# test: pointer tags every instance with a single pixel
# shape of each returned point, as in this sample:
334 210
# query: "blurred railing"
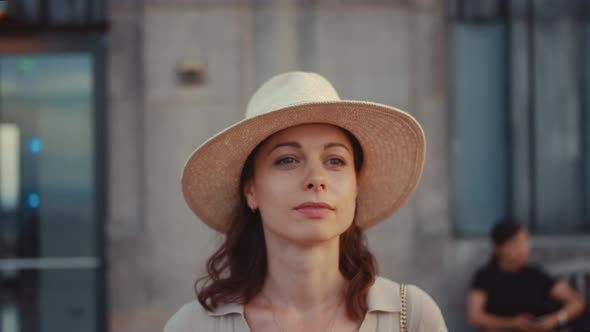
576 272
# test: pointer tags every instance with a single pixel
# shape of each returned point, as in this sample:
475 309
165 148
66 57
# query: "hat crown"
288 89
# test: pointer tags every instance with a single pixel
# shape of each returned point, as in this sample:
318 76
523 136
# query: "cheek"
273 191
507 252
519 253
525 251
347 187
347 192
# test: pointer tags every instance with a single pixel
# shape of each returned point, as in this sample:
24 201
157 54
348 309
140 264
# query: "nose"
316 179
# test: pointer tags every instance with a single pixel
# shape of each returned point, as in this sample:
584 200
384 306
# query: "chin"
306 235
309 231
314 234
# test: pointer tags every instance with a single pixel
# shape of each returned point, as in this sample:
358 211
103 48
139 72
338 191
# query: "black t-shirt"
510 294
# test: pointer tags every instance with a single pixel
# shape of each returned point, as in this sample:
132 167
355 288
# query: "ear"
250 194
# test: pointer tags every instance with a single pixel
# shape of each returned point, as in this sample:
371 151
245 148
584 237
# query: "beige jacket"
382 315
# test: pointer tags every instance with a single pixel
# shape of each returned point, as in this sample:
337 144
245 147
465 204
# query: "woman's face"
516 250
304 183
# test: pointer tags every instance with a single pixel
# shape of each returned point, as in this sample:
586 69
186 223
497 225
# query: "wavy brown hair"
237 270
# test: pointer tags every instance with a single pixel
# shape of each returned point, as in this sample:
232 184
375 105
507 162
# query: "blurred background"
102 101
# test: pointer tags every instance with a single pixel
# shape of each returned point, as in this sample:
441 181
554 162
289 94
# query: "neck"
508 266
303 277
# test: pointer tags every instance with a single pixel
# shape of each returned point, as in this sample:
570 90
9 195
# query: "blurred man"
508 294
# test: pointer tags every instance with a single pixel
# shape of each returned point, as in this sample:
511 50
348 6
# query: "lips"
314 210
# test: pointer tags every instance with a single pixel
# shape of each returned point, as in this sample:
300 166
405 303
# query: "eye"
336 162
285 161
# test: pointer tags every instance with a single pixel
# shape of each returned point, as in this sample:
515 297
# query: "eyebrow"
331 145
298 146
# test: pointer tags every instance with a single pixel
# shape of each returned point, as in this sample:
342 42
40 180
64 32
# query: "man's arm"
481 319
573 305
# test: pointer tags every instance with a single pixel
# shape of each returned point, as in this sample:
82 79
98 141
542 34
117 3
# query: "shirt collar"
227 309
383 296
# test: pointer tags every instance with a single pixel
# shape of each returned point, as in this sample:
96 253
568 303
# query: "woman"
509 294
292 187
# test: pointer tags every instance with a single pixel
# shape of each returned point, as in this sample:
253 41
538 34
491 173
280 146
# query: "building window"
520 99
47 15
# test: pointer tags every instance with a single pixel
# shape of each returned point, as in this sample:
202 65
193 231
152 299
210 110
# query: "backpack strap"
403 319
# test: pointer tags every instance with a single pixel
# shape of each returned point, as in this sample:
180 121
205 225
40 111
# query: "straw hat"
392 141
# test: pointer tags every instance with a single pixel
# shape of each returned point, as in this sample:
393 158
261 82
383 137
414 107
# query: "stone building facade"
392 52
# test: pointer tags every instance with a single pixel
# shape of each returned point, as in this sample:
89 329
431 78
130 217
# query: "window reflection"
9 166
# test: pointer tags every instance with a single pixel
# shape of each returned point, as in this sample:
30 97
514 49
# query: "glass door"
50 232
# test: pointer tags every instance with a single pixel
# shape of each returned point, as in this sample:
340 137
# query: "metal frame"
509 151
67 263
530 39
583 85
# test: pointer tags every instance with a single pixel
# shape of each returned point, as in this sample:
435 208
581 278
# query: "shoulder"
483 277
485 269
536 270
383 296
187 317
537 273
423 312
386 285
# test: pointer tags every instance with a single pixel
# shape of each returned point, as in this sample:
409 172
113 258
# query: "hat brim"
393 145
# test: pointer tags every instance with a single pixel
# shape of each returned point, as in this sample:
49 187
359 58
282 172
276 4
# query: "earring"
252 207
